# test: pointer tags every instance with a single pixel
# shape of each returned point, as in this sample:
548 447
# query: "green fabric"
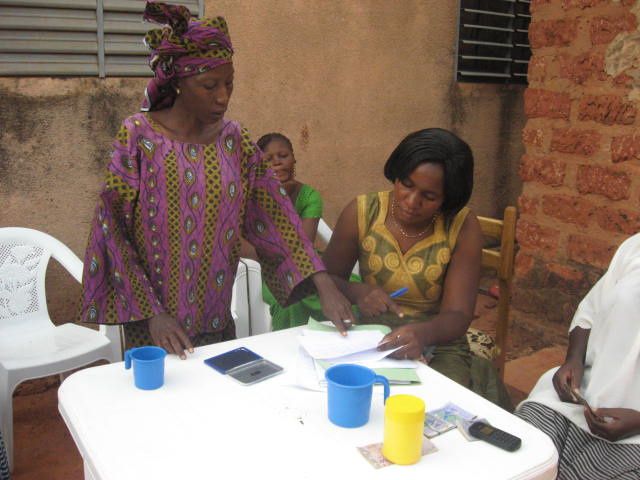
296 314
308 202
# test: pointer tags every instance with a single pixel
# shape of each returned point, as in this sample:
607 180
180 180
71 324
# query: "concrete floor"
44 448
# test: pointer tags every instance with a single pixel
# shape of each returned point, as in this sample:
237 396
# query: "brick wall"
581 188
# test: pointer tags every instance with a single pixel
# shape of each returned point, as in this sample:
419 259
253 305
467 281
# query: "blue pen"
399 292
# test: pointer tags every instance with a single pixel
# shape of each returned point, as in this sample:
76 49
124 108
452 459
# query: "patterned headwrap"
183 47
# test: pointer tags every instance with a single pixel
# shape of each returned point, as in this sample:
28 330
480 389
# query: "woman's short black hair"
270 137
439 146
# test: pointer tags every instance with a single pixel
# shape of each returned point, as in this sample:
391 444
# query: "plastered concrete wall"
345 80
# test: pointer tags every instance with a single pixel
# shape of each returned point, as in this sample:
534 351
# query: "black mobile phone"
495 436
232 359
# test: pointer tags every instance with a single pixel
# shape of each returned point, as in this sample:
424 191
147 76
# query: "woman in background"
278 151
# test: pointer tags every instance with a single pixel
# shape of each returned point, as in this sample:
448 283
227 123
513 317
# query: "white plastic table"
201 424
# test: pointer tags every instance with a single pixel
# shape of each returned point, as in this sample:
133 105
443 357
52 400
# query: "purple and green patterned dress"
167 228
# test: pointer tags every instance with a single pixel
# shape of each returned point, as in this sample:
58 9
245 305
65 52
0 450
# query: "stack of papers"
322 346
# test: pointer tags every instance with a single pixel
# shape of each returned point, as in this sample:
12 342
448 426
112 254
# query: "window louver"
75 37
493 41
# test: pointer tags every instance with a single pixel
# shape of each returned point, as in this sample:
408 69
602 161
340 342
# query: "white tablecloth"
201 424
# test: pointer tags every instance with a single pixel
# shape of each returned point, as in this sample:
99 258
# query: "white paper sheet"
325 345
367 357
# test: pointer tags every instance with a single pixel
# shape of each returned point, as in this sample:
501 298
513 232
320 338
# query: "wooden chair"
501 260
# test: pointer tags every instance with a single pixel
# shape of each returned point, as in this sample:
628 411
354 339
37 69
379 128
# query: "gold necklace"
402 231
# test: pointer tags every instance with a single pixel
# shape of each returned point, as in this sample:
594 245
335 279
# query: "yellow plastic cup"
403 429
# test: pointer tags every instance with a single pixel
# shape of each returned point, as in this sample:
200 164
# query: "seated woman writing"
422 237
602 366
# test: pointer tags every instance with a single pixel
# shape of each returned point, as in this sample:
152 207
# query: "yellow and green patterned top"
422 268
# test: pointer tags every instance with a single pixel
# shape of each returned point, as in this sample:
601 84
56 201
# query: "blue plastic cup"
148 366
349 389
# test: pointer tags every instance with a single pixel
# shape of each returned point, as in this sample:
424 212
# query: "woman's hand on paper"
613 423
335 306
406 337
168 334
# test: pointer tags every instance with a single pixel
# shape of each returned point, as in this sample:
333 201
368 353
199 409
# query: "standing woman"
278 151
183 185
419 236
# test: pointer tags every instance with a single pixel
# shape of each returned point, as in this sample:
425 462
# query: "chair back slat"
491 259
501 260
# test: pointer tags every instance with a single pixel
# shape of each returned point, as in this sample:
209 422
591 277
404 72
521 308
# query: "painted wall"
345 80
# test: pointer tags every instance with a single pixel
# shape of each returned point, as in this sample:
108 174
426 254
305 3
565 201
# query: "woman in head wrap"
183 185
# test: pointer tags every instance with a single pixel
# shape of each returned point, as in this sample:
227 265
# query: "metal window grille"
493 41
76 37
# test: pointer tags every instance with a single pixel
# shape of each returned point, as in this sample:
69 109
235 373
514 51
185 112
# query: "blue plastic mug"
148 366
349 389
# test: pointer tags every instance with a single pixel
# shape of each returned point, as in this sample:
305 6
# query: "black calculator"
495 436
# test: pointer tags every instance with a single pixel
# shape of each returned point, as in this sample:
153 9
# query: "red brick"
532 136
590 251
523 264
564 277
528 205
580 142
537 68
568 4
568 208
603 181
565 272
618 220
605 29
583 67
536 4
544 103
552 33
542 169
623 80
625 147
607 109
535 237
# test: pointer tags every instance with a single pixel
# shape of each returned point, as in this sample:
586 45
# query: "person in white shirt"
603 367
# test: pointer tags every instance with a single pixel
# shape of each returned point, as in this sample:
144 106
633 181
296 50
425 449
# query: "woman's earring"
177 91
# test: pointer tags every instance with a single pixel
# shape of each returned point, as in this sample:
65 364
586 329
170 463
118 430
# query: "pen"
399 292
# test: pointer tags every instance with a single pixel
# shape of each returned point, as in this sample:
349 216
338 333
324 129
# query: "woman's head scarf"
181 48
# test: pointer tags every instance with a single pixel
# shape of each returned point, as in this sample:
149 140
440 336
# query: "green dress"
308 204
422 269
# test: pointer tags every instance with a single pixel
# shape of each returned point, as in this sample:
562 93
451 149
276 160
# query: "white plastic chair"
324 234
250 313
31 346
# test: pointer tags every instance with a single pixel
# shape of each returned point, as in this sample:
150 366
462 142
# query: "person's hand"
335 305
613 423
166 333
567 378
375 301
408 338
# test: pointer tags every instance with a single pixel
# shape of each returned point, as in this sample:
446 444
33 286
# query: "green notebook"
396 376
